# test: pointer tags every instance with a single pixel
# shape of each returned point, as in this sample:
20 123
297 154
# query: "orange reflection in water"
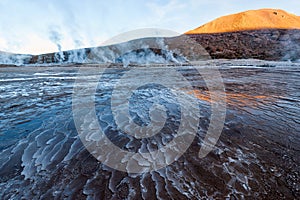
233 98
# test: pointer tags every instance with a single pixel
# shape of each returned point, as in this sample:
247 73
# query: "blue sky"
40 26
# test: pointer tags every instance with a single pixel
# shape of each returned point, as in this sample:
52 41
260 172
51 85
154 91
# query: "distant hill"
266 34
180 49
250 20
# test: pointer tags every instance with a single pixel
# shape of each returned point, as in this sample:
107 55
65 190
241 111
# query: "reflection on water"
256 156
234 98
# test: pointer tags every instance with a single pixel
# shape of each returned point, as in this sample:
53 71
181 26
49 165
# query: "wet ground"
256 156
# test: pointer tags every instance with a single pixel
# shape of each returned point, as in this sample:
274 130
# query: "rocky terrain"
268 44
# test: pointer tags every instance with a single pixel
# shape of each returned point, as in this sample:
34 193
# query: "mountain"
251 20
266 34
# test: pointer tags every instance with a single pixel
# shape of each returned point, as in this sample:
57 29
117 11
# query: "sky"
43 26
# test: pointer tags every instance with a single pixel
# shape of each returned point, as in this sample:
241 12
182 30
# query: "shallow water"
257 155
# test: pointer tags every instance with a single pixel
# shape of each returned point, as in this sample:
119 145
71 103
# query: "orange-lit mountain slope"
250 20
